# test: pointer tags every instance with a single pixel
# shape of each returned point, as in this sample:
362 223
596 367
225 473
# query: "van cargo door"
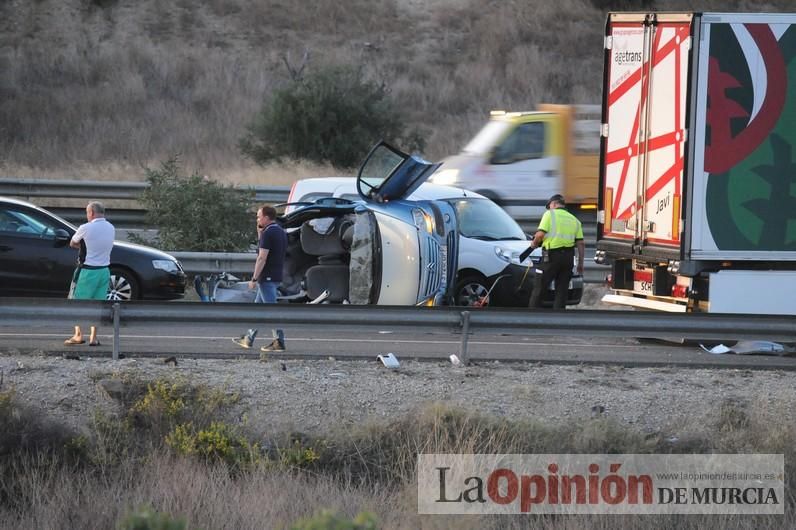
646 86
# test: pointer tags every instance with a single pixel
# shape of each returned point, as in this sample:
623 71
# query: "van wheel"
470 289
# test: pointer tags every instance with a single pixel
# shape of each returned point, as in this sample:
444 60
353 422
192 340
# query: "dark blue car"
36 260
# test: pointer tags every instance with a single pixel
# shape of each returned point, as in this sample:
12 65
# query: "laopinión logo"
504 486
609 484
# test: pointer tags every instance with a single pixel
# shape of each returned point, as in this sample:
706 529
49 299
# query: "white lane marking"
308 339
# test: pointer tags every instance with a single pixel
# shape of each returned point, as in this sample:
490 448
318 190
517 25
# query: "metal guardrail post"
115 310
465 324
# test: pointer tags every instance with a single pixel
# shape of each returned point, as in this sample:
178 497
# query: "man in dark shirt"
270 256
271 248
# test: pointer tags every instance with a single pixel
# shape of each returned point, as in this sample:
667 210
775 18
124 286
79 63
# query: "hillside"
100 88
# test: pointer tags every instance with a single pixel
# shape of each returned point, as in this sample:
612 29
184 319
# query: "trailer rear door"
644 136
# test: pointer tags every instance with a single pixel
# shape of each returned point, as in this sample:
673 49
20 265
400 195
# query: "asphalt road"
202 340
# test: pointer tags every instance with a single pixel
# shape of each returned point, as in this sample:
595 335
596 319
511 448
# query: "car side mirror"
62 237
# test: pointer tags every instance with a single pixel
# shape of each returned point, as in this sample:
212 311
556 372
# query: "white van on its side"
490 242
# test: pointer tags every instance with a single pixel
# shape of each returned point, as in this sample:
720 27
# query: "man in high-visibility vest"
558 233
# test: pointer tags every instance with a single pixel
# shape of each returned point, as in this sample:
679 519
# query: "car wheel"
470 289
123 286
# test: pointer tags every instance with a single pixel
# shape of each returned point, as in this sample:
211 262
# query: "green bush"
196 214
331 116
300 454
217 442
148 519
166 403
331 521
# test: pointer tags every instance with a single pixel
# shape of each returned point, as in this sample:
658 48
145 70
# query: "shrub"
167 403
196 214
299 454
331 521
216 442
151 411
332 116
148 519
163 400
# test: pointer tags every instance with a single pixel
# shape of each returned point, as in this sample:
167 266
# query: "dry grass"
371 470
98 89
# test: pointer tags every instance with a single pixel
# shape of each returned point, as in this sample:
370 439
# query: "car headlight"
423 220
165 265
509 256
445 177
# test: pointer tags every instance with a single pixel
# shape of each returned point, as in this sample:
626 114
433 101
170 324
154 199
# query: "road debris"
751 347
389 360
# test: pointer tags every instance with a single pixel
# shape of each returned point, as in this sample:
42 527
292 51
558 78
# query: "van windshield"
487 138
483 219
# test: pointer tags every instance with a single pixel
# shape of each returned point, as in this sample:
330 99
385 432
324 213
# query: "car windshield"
483 219
21 222
487 137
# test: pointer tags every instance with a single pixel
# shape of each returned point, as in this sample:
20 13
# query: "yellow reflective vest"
561 229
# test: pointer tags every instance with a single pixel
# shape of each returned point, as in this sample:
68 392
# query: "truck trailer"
697 167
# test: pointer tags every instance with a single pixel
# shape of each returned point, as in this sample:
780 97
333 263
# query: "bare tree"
296 71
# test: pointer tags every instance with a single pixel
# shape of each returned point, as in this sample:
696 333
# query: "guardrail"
34 189
242 263
98 189
26 311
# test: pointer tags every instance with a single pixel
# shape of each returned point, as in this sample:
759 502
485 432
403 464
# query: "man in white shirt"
92 276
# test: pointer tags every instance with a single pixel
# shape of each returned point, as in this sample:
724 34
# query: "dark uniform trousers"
556 265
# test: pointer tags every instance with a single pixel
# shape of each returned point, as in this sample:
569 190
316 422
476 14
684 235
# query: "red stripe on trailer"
642 276
655 143
664 179
663 241
623 88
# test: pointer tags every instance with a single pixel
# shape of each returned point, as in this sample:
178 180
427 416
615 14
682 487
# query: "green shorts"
90 284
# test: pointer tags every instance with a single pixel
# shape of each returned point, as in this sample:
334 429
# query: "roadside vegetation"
101 88
194 212
175 456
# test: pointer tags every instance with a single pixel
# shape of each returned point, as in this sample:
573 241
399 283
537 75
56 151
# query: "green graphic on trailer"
749 154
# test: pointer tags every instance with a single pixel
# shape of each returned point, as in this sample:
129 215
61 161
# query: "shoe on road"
247 340
276 345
